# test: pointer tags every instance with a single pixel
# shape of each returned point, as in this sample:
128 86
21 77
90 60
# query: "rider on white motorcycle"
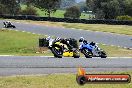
8 24
58 39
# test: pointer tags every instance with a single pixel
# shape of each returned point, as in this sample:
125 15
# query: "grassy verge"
22 43
54 81
119 29
19 43
116 51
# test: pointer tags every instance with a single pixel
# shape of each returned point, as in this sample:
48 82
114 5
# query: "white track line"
69 57
16 30
103 44
5 55
46 56
33 33
130 48
119 57
29 32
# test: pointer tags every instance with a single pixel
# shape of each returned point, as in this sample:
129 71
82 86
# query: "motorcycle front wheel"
87 53
103 54
57 51
14 26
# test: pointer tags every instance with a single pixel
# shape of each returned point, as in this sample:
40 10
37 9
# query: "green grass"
55 81
119 29
12 42
22 43
58 13
17 42
116 51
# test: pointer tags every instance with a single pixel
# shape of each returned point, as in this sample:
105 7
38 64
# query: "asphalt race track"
32 65
98 37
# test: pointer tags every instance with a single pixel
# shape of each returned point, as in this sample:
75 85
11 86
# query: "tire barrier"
68 20
43 42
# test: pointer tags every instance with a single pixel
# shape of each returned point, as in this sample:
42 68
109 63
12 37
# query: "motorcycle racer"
62 47
59 39
82 41
8 24
90 45
90 49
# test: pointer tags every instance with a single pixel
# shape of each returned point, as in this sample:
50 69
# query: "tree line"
13 7
9 7
102 9
110 9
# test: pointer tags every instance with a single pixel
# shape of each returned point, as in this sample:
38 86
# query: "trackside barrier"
68 20
43 42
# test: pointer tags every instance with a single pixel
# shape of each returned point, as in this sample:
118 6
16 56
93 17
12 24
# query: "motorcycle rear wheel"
76 54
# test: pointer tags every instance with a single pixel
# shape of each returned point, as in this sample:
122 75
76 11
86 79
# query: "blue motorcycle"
91 50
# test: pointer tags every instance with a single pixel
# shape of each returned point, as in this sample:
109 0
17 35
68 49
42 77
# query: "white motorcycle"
8 24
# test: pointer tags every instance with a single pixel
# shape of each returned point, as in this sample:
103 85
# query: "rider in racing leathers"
7 23
58 39
83 41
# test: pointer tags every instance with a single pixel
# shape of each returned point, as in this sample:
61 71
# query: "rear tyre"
76 54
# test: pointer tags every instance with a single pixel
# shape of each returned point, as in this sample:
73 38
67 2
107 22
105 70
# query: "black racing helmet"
81 39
